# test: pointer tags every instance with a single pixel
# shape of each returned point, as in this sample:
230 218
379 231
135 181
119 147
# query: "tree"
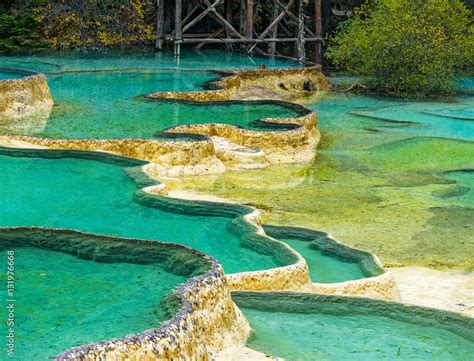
19 33
406 47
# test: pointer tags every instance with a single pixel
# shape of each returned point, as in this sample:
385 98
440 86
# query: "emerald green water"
337 331
104 105
299 336
95 99
63 301
325 268
79 61
392 177
97 197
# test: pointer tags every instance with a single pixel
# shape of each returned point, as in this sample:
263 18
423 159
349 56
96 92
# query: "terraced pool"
392 178
328 261
97 196
310 327
108 105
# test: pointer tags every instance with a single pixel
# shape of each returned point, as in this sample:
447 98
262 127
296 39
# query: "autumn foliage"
74 24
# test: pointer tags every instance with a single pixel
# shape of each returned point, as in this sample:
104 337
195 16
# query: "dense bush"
19 33
406 47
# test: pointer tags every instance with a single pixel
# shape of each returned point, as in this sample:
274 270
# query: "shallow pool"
310 327
328 261
63 301
386 180
107 105
101 97
98 197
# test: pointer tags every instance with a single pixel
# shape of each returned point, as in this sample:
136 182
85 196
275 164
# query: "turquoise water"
360 188
449 119
382 181
328 261
462 191
325 268
339 331
203 60
90 103
63 301
104 105
97 197
8 75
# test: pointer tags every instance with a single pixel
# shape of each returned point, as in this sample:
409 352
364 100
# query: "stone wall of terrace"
170 158
270 84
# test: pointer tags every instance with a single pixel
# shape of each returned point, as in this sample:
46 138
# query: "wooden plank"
276 21
228 17
195 20
242 16
295 19
272 25
190 14
212 36
243 41
221 19
272 46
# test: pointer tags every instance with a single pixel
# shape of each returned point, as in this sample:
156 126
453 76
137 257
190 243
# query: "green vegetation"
406 47
19 32
29 25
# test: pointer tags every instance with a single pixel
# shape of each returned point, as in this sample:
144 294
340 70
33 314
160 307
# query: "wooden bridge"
253 26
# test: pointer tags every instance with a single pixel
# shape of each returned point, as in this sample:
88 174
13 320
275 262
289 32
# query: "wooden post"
177 27
249 20
228 17
242 16
160 23
300 51
272 46
318 53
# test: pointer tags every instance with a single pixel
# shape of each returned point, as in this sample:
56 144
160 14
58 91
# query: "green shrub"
19 33
406 47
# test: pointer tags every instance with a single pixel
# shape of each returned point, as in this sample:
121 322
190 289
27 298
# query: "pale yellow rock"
24 97
446 290
241 353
